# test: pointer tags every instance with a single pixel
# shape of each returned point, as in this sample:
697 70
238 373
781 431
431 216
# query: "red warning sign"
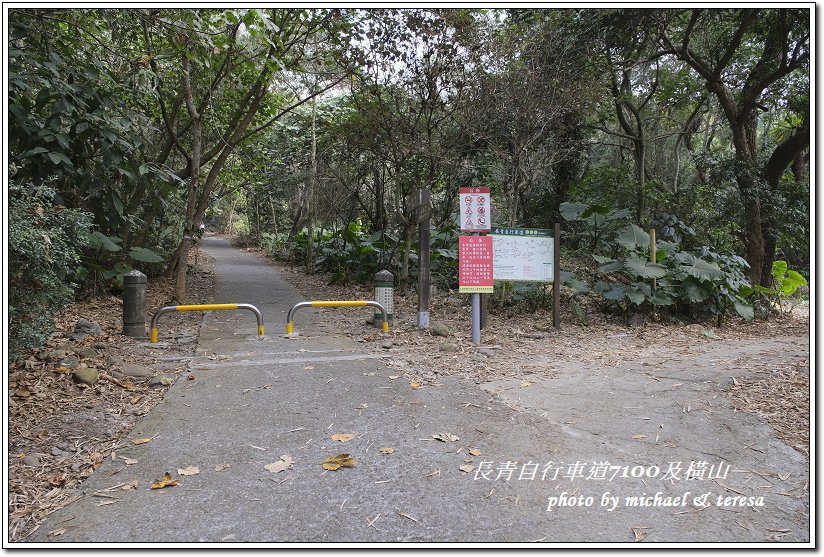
476 207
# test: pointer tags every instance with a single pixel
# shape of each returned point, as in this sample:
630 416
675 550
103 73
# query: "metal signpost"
475 252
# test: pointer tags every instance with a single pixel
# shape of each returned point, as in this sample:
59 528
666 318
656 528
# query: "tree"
749 59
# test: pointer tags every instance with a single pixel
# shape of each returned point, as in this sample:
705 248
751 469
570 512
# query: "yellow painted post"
154 335
289 327
386 326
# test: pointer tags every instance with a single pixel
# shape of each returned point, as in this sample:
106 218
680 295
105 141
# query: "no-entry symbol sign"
476 209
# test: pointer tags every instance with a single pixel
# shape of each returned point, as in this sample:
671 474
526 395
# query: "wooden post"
556 277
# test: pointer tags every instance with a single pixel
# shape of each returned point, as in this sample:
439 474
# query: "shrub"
44 247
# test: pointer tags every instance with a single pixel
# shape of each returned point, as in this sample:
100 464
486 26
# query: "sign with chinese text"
475 265
523 254
475 210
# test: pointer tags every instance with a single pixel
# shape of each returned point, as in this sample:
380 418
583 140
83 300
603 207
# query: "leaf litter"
87 423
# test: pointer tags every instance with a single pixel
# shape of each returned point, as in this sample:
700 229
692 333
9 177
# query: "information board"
475 265
476 210
522 254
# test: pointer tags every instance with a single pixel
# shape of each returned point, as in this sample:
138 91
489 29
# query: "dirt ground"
70 428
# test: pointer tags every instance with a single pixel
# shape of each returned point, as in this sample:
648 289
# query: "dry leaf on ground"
446 437
639 533
343 437
166 481
221 467
467 467
141 441
285 463
188 471
338 461
387 450
475 452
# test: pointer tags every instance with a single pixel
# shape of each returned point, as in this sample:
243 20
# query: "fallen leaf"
393 377
446 437
338 461
131 485
524 384
638 437
639 533
191 377
343 437
58 480
55 533
166 381
188 471
387 450
23 392
221 467
130 461
136 399
96 460
467 467
309 367
415 385
141 441
285 463
62 369
166 481
475 452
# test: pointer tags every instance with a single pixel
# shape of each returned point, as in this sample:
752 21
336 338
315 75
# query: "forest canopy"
332 137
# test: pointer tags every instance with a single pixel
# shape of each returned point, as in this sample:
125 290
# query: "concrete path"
578 464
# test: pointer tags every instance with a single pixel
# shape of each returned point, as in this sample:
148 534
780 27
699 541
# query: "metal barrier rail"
205 307
332 303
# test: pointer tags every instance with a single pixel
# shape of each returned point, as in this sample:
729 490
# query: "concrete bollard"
134 304
384 295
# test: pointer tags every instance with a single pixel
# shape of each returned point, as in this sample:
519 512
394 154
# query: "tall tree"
747 59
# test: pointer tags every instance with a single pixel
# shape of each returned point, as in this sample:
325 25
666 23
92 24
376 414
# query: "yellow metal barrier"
334 303
205 307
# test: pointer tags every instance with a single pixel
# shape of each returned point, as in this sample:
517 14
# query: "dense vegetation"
335 137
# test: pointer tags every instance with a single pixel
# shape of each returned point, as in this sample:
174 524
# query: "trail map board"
522 254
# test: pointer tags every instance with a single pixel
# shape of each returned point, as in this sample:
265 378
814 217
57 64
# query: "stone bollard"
384 295
134 304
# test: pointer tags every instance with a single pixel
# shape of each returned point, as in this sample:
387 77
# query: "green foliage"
699 282
786 284
44 247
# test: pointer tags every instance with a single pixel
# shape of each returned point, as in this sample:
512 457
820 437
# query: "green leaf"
118 203
636 294
644 269
779 268
42 98
692 292
611 267
571 211
610 291
602 259
101 241
632 237
145 255
700 269
57 158
661 298
745 310
35 151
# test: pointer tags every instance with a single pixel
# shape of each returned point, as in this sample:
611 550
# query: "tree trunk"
310 195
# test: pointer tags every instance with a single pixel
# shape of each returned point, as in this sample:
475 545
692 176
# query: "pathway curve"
530 475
